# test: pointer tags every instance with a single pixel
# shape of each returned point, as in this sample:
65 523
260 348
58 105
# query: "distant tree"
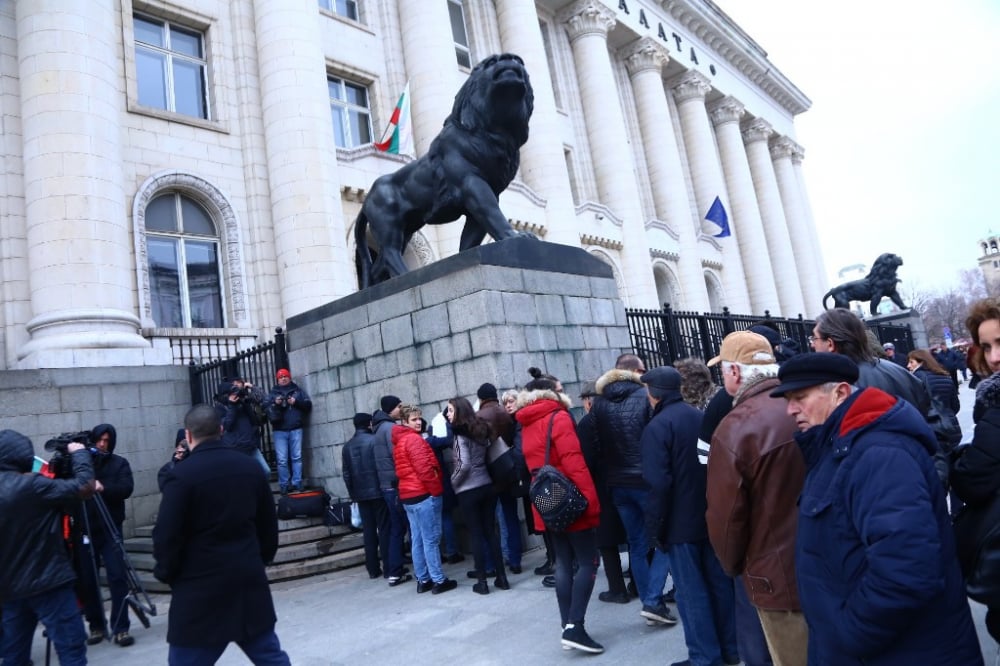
950 307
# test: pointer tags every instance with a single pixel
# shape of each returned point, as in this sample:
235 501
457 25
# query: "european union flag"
717 215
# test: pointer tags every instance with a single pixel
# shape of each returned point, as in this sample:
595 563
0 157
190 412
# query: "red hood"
870 405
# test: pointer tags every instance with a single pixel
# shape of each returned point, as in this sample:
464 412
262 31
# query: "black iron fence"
661 337
256 365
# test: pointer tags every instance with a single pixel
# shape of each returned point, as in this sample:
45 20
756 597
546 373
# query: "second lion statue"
470 162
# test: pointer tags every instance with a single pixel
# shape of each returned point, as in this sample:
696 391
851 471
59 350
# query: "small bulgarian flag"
398 136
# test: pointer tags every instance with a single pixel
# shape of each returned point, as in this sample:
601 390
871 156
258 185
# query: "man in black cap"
675 520
382 421
875 558
361 479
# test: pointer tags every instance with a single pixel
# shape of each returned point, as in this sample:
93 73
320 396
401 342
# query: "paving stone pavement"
345 619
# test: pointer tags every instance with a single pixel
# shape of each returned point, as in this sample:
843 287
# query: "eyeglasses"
814 338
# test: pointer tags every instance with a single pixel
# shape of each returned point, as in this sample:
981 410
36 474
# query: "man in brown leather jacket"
755 475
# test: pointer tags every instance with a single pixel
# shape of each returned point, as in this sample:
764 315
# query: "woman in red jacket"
539 404
420 490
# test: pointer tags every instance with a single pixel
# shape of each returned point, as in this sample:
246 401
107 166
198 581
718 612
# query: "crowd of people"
801 510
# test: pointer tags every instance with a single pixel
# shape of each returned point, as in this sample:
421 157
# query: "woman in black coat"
975 475
934 377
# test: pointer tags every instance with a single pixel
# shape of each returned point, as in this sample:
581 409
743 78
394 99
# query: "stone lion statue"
880 281
470 162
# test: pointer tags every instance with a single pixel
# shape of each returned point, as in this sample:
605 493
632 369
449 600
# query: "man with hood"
36 579
620 413
878 575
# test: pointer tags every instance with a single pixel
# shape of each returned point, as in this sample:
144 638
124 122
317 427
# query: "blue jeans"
705 602
749 635
259 457
425 538
650 577
58 611
104 552
510 531
397 529
262 650
288 443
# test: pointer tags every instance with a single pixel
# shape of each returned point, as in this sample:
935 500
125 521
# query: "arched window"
185 278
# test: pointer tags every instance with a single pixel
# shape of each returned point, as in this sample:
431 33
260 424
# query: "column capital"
587 17
726 110
644 54
690 85
757 129
782 146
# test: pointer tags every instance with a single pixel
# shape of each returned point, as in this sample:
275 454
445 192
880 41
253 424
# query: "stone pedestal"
484 315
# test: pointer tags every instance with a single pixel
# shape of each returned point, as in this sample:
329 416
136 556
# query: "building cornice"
590 240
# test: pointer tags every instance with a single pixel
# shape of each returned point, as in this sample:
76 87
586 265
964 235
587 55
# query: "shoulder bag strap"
548 437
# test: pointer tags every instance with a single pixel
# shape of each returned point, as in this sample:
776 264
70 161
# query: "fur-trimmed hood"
616 375
525 398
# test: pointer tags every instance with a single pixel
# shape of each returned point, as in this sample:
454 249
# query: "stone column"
819 274
745 214
543 165
588 23
78 234
429 54
307 217
706 176
799 226
786 276
645 60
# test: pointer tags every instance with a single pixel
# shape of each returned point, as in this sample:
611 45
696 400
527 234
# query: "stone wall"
485 315
145 404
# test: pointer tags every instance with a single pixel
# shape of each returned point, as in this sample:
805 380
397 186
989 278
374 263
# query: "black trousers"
375 530
573 590
479 510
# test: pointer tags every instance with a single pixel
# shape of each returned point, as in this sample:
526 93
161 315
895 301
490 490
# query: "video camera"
60 464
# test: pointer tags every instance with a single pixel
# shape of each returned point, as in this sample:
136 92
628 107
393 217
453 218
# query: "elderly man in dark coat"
215 531
875 558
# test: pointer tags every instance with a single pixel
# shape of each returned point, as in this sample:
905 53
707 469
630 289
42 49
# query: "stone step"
146 531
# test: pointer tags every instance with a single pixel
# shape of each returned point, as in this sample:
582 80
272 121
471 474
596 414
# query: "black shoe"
658 615
283 491
614 597
475 574
546 569
481 587
549 581
123 639
731 660
424 586
377 574
444 586
515 569
399 580
501 583
576 637
454 559
95 637
671 596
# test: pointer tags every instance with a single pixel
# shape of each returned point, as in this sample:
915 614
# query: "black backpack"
557 499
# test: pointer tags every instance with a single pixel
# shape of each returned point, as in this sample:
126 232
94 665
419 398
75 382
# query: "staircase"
306 547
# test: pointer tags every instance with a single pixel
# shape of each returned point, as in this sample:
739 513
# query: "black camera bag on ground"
303 504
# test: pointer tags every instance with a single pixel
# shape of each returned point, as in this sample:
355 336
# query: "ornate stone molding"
711 263
782 147
798 155
350 193
369 150
600 211
663 226
757 129
520 187
599 241
667 255
643 55
218 206
703 237
726 110
421 249
690 85
531 227
587 17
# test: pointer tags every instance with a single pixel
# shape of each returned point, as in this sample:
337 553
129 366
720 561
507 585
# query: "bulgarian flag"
398 136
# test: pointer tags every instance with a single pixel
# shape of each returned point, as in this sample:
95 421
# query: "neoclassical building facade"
186 173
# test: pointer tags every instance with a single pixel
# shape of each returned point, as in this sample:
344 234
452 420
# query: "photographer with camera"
114 484
36 579
180 452
286 406
237 408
